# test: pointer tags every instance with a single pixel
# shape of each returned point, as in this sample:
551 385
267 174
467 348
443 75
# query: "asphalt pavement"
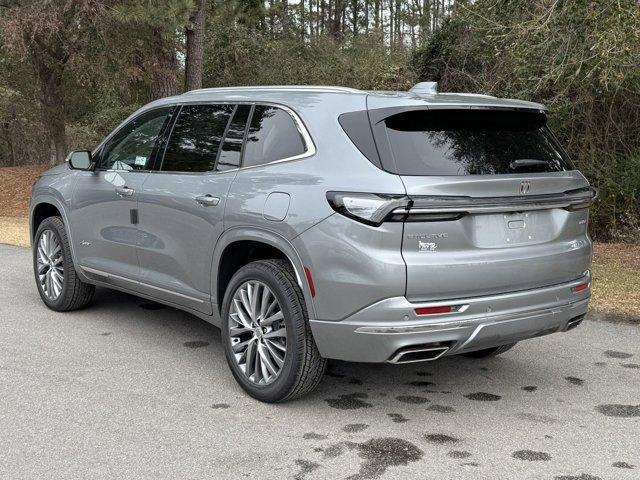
130 389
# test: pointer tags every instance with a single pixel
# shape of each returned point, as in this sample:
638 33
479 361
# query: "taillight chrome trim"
404 208
443 208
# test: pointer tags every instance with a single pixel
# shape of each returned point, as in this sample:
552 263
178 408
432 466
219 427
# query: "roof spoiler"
425 88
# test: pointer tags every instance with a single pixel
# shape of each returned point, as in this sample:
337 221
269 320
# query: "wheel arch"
44 206
239 240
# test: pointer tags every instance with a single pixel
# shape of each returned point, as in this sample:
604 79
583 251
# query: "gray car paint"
356 268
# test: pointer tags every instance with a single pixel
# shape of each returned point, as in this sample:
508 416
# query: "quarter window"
272 135
232 147
196 138
131 147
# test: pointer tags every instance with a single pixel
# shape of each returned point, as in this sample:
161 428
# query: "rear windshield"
473 142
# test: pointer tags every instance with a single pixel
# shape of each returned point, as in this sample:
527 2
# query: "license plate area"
498 230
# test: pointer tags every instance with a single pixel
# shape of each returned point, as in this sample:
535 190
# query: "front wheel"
58 284
266 334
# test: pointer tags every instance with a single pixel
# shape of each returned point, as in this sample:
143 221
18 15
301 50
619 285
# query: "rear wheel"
266 334
56 278
490 352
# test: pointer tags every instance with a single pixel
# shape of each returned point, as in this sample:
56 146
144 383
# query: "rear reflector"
433 310
581 287
312 287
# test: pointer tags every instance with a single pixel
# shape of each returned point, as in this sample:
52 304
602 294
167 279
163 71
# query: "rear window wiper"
528 162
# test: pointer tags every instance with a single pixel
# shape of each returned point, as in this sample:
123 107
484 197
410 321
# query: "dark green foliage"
580 58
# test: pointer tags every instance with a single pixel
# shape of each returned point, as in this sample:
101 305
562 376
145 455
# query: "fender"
270 238
50 197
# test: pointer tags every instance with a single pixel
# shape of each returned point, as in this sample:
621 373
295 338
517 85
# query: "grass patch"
616 281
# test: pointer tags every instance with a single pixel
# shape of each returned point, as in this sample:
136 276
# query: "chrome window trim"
310 147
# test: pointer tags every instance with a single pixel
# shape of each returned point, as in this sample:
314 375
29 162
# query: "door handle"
207 200
124 191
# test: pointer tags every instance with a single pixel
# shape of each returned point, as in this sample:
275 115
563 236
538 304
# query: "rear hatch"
496 205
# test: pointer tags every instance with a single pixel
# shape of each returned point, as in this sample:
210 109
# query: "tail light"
370 208
581 287
433 310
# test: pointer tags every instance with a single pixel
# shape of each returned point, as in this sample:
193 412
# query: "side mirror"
80 160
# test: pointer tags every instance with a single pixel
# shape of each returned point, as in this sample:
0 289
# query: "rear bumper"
377 332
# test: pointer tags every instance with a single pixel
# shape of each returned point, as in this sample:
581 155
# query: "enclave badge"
524 187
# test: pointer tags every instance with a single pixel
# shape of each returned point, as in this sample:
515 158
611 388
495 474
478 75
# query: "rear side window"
196 138
273 135
472 142
232 147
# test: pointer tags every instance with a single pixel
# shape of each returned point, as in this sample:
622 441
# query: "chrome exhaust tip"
418 353
574 322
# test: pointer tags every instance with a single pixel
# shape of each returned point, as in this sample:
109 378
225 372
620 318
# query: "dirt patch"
15 188
14 231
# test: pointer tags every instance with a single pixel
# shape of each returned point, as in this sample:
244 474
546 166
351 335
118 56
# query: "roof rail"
425 88
276 88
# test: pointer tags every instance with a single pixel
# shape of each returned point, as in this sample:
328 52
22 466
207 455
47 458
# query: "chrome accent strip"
136 282
499 204
310 147
470 323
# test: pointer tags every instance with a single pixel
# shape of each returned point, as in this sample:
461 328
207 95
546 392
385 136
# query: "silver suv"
315 223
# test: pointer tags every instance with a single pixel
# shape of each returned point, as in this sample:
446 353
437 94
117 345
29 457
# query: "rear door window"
196 138
473 142
231 151
273 135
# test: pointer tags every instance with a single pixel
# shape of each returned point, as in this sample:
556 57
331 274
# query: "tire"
301 367
489 352
70 293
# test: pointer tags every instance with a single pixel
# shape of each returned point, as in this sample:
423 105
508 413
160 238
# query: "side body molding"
269 237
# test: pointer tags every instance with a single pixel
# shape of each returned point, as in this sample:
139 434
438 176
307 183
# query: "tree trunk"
303 20
164 82
366 16
392 21
195 47
376 14
52 101
334 25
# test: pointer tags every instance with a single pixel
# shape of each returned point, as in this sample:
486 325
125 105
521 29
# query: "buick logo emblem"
524 187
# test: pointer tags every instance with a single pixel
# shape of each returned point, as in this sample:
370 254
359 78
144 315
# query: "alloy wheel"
49 264
257 332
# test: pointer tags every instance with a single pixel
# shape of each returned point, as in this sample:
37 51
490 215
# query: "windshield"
473 142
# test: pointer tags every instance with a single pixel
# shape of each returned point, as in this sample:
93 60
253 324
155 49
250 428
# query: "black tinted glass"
232 146
272 135
473 142
196 137
131 147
